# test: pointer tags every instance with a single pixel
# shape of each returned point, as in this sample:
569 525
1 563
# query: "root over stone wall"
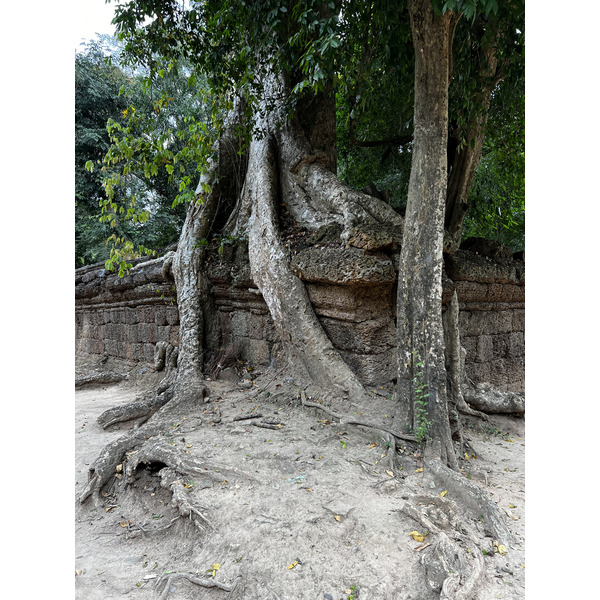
355 302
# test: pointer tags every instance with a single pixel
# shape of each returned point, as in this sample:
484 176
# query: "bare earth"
306 511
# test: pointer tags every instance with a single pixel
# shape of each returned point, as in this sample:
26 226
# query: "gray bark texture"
419 305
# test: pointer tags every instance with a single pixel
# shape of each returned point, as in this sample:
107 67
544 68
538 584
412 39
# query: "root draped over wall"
126 318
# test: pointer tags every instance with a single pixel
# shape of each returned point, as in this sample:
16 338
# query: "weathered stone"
342 266
325 234
372 369
485 349
468 266
353 294
369 337
348 303
375 237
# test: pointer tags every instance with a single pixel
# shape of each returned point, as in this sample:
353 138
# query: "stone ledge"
343 266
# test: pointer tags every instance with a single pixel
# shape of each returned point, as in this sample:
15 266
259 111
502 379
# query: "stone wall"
353 293
491 294
124 318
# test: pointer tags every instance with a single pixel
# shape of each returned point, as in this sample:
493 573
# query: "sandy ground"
307 511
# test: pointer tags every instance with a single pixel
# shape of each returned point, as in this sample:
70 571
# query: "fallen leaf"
467 456
124 523
415 535
502 549
216 566
442 494
390 473
309 489
512 506
119 468
419 470
337 517
372 445
78 572
293 564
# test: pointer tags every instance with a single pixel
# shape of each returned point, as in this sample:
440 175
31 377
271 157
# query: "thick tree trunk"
305 342
421 389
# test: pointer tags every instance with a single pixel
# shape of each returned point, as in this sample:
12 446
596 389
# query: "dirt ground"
304 511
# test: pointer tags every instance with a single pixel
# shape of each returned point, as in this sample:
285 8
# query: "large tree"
271 68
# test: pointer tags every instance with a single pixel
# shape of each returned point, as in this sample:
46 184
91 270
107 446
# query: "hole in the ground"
154 467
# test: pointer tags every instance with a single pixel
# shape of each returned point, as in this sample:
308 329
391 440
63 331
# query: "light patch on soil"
308 510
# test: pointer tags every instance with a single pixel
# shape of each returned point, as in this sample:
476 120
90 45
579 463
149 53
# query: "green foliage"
354 592
421 403
96 101
375 99
182 65
497 197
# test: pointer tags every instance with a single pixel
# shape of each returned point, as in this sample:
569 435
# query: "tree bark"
421 399
307 346
466 160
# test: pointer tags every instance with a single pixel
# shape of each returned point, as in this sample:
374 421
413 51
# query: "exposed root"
159 450
472 497
142 408
206 583
488 399
99 378
454 565
172 480
465 409
306 344
351 421
104 467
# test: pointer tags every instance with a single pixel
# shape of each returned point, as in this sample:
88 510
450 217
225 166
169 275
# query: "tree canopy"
188 61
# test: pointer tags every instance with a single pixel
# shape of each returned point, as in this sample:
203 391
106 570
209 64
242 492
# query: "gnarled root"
352 421
142 408
454 566
486 398
173 480
206 583
99 378
472 497
104 467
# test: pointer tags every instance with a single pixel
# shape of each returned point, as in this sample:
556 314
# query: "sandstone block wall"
491 297
125 318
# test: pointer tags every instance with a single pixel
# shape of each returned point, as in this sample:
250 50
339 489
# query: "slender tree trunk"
421 388
466 160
